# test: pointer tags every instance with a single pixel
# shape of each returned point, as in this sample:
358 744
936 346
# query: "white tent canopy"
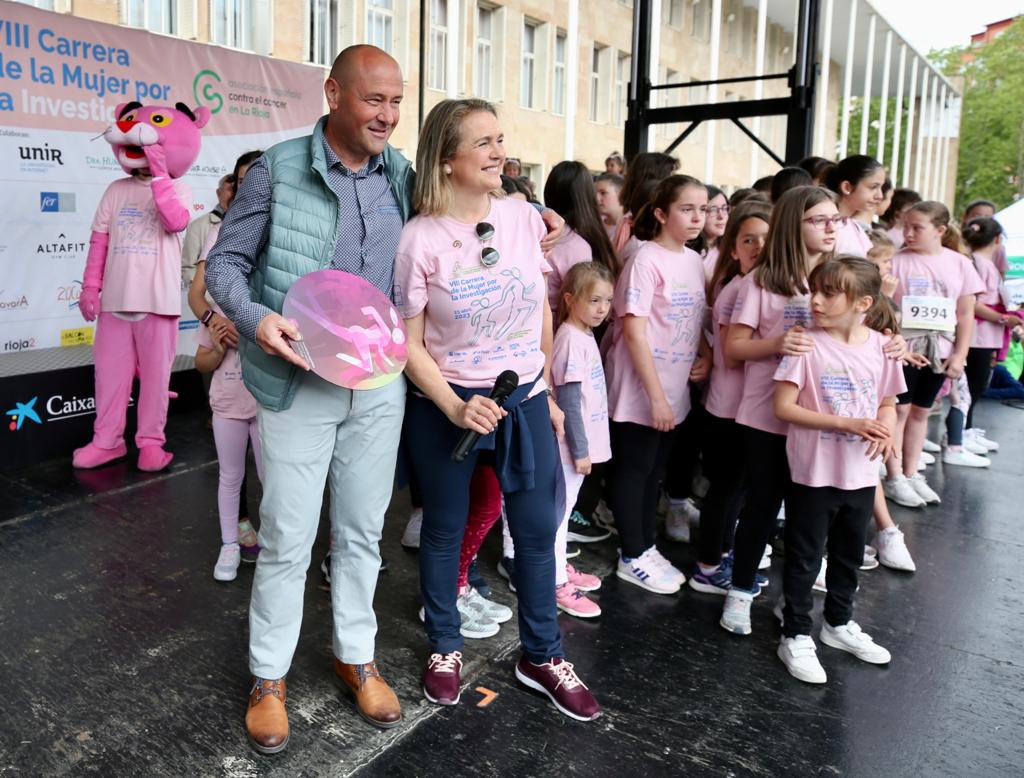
1012 220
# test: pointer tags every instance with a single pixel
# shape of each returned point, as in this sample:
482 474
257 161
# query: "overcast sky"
937 24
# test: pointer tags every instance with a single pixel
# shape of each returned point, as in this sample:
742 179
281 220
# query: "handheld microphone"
507 383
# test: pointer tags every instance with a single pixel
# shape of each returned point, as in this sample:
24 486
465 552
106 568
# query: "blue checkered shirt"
370 225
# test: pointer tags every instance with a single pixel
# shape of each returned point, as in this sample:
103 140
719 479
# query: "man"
199 229
337 198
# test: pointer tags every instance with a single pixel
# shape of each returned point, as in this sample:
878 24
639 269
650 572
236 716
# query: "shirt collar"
375 163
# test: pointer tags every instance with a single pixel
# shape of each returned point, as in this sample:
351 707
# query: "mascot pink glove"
173 215
92 279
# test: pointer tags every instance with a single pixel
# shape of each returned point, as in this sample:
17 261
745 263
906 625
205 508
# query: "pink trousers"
232 437
122 349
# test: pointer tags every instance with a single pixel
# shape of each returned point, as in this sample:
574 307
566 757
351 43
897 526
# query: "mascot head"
176 129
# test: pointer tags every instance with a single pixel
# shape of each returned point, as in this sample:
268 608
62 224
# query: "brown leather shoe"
375 700
266 720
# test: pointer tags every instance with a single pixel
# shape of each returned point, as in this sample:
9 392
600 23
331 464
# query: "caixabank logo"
57 408
22 412
57 202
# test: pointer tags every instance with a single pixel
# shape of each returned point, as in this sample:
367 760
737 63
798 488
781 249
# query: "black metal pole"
635 132
800 123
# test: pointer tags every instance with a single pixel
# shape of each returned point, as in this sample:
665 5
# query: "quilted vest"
301 237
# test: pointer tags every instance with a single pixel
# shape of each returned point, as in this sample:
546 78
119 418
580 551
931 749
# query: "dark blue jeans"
532 520
1004 386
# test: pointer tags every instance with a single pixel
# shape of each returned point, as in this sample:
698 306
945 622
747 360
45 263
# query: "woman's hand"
479 413
954 366
583 466
896 348
557 417
662 417
555 225
795 342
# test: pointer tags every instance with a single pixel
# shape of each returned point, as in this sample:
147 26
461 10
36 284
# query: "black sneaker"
325 573
571 551
477 580
583 530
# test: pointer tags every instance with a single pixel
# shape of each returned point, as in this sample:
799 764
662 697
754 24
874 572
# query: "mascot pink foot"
133 277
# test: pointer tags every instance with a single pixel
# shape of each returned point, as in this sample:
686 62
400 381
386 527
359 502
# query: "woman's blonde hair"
439 142
579 281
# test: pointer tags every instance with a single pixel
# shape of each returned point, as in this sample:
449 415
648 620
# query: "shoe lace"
367 671
578 518
566 675
264 686
445 663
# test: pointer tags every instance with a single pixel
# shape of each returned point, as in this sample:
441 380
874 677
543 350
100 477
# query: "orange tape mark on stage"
488 697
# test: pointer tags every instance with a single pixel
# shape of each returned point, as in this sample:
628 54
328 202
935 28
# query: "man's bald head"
359 58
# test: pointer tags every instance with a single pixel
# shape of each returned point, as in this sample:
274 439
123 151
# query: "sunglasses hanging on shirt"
489 255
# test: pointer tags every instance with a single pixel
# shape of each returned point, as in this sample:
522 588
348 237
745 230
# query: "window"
231 23
595 112
672 13
558 88
701 17
323 31
484 51
622 73
529 63
152 15
380 24
438 44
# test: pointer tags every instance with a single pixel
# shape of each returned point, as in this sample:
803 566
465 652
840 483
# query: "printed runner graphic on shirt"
848 398
499 305
685 304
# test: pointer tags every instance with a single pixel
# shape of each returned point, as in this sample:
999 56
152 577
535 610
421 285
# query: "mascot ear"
200 116
124 108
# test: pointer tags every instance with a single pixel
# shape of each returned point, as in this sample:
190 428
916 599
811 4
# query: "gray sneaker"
494 611
475 626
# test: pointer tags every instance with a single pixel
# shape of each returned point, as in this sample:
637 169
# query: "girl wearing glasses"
657 349
714 228
857 182
469 280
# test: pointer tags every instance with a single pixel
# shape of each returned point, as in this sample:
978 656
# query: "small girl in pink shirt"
857 182
234 425
657 349
839 398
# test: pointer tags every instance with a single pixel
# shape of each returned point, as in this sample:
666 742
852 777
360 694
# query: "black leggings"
768 481
592 490
723 466
979 371
682 463
639 455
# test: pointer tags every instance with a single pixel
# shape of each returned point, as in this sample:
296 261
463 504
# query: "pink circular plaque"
352 335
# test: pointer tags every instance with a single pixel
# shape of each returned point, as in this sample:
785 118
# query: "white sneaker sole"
707 589
892 566
643 585
410 545
586 538
525 681
799 674
832 642
225 577
442 702
576 613
905 503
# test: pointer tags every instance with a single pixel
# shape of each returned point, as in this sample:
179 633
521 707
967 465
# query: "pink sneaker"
153 459
585 582
91 455
574 602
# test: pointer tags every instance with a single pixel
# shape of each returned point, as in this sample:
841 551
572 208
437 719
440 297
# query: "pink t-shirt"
630 249
575 359
769 315
726 385
143 270
710 260
852 239
570 250
988 334
947 274
479 321
838 379
667 287
896 236
228 396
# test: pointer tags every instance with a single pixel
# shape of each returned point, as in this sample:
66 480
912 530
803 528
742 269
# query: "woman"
469 280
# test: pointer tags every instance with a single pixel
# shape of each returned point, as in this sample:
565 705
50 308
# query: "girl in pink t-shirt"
839 399
234 426
770 317
741 247
936 297
657 350
857 182
714 227
569 192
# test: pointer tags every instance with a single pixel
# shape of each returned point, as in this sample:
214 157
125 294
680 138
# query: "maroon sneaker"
559 682
441 681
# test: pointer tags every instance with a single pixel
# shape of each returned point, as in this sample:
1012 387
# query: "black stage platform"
121 656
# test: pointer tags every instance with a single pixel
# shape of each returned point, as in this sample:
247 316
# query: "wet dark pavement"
121 656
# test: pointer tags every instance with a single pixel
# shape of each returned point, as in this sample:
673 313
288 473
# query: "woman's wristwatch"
205 318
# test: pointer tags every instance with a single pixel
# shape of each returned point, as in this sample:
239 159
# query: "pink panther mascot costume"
135 262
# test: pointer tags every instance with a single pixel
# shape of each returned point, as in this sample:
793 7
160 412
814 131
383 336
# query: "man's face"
364 111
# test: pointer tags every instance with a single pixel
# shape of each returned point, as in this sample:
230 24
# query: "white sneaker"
677 524
819 582
870 559
978 436
931 448
474 625
228 560
494 611
766 559
892 550
654 557
927 459
970 444
647 574
800 656
782 512
924 491
899 490
964 458
851 638
736 612
411 536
